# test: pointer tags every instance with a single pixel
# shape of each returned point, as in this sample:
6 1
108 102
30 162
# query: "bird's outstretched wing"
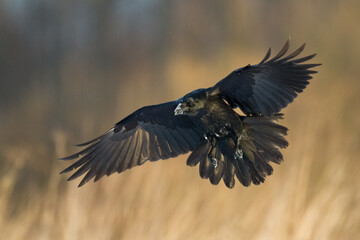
266 88
150 133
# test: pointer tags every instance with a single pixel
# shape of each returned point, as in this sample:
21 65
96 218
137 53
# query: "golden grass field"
313 194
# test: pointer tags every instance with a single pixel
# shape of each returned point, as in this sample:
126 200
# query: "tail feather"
256 176
206 168
217 173
200 153
228 176
242 172
262 166
263 138
268 138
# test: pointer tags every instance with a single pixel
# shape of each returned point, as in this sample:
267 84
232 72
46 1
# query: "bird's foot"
206 137
213 161
238 153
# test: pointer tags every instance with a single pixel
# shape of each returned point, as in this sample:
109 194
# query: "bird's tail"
260 142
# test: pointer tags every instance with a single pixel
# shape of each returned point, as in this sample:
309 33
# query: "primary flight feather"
204 123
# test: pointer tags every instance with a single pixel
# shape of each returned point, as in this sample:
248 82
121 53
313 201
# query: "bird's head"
192 104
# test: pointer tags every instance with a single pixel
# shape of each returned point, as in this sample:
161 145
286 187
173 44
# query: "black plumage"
204 123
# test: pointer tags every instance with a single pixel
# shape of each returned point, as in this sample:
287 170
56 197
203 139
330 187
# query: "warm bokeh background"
70 69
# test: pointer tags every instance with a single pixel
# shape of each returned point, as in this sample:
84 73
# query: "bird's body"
221 122
221 118
204 122
215 114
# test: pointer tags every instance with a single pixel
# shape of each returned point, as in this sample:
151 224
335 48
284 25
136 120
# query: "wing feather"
151 133
266 88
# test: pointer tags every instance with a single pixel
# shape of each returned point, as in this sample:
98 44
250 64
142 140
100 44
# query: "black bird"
204 122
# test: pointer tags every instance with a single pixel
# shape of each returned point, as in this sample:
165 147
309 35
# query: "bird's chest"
222 124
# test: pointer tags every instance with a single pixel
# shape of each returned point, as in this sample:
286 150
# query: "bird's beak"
179 109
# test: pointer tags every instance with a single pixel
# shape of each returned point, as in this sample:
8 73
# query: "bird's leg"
211 154
212 157
238 152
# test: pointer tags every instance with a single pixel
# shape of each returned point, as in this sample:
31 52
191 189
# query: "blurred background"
70 69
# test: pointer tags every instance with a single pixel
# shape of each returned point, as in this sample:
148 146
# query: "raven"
203 122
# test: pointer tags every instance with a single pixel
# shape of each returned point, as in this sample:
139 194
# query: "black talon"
213 161
238 153
211 156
